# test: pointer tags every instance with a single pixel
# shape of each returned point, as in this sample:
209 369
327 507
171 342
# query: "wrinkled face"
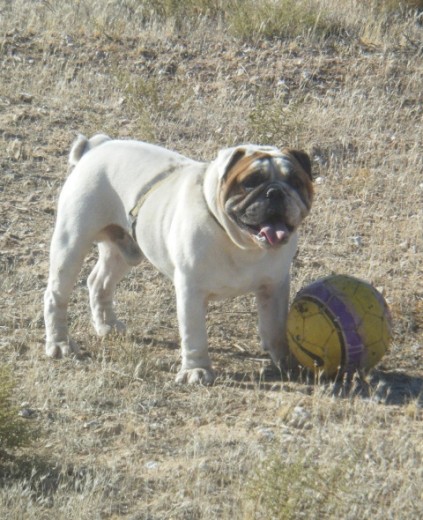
268 195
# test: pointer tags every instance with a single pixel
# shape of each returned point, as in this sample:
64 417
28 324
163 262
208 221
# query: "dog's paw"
59 349
288 363
103 329
195 376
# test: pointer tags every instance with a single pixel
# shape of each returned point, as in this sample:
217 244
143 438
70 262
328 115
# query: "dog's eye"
294 181
252 181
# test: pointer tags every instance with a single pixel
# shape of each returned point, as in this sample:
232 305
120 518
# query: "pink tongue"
274 233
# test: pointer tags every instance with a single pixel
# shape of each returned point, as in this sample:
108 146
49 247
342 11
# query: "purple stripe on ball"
344 320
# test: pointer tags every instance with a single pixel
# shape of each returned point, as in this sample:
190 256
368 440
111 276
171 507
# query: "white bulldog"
216 229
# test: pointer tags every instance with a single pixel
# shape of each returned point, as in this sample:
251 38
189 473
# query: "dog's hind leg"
108 271
117 253
67 253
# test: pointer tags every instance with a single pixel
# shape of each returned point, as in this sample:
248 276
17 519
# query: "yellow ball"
339 324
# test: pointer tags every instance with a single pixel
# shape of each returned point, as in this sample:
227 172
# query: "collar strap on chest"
147 190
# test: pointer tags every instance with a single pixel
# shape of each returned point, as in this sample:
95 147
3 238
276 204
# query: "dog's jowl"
216 229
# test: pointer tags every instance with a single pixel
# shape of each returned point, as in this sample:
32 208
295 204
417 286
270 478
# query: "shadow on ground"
396 387
392 387
40 477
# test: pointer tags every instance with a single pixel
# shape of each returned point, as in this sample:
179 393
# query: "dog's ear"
304 160
227 159
235 157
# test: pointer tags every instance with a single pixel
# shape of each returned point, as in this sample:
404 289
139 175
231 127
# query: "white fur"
192 242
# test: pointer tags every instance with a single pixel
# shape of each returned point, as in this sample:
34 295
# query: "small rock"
266 433
25 97
112 429
300 418
27 413
357 240
91 424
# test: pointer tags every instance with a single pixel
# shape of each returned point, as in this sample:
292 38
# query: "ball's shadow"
396 387
393 387
385 387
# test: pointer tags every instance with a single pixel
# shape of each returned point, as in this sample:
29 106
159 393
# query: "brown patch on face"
302 164
267 194
300 176
238 171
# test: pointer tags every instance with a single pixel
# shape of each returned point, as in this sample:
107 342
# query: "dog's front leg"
272 306
191 308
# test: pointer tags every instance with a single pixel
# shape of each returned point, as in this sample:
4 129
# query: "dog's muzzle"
275 194
265 219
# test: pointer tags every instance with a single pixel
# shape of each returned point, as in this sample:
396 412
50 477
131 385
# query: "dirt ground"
117 438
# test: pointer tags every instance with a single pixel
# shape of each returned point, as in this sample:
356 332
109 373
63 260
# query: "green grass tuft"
294 489
14 430
277 121
281 19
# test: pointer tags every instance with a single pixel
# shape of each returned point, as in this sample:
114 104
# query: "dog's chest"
229 278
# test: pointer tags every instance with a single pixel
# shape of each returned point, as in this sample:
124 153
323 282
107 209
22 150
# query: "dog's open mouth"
272 232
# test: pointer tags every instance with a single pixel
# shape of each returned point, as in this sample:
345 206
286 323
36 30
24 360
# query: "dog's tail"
82 145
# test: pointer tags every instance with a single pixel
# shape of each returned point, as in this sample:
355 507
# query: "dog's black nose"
274 193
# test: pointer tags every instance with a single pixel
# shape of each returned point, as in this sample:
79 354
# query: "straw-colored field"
116 437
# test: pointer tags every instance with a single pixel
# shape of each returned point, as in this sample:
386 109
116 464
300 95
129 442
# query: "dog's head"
262 194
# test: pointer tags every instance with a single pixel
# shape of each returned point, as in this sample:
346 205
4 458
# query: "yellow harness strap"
148 189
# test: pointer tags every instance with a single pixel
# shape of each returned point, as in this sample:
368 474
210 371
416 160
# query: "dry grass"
14 430
118 438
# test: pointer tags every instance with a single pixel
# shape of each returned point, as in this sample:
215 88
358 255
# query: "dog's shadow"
389 387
